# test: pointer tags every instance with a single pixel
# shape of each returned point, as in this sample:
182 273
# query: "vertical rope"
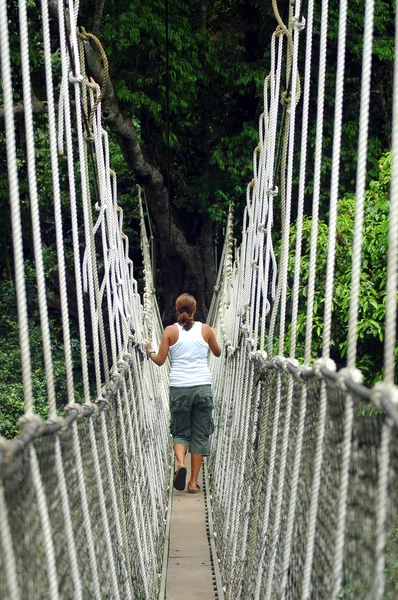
45 525
355 290
15 210
317 181
392 257
334 187
34 206
8 549
381 512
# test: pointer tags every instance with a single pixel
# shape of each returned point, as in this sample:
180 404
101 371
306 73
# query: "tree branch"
39 107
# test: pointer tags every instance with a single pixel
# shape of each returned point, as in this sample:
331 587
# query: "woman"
191 398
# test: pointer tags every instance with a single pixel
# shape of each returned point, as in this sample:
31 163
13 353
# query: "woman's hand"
148 346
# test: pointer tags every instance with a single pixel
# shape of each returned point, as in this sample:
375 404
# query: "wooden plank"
189 574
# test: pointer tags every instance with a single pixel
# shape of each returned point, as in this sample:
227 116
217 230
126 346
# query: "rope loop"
384 390
324 363
292 361
347 373
74 406
61 421
103 400
301 371
279 362
259 356
33 420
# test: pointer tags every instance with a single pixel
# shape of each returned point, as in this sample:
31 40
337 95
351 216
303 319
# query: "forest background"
184 121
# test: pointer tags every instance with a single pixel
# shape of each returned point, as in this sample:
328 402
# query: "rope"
82 34
317 182
392 278
355 291
334 187
15 211
8 550
34 205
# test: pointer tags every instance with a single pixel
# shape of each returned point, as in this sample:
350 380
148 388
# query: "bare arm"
209 335
160 356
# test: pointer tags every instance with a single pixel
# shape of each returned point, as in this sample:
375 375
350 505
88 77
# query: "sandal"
179 478
196 491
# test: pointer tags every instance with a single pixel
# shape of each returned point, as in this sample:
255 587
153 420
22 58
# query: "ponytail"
185 320
186 308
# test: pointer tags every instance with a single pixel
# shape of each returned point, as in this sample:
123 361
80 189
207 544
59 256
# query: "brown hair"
186 308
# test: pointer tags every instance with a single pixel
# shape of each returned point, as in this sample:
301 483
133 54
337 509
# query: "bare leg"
180 451
196 462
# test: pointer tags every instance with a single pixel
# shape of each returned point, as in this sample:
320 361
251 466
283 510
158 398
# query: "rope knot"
57 419
259 356
286 100
75 78
272 191
324 363
292 361
279 362
254 265
301 371
74 406
89 137
383 391
100 207
347 373
297 24
123 364
250 344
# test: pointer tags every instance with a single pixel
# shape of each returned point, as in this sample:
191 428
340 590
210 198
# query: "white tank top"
189 358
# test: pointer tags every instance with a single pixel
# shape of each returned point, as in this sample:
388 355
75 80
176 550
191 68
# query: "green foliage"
372 299
11 388
215 88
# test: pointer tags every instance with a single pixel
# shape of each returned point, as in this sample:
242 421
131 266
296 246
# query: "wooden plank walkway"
189 574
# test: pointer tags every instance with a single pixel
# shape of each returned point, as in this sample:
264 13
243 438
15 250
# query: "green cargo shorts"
191 421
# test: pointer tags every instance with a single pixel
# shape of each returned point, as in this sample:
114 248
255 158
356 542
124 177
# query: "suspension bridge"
301 483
